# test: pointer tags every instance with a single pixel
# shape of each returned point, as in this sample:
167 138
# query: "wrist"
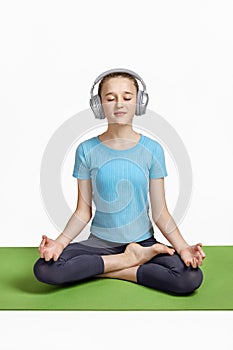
179 250
62 240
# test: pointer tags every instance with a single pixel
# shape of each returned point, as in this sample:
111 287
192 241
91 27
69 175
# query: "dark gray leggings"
82 260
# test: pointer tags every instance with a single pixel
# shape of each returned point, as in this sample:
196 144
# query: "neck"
116 131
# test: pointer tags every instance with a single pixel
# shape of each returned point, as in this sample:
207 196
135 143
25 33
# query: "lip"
119 113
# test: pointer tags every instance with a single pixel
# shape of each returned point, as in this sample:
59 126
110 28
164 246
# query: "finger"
42 242
42 247
47 257
171 251
198 257
41 254
194 263
45 239
197 247
199 260
41 250
201 252
55 257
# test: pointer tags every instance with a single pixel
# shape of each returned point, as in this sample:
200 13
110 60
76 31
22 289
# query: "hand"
193 255
50 249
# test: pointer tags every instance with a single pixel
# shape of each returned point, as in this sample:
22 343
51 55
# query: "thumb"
46 239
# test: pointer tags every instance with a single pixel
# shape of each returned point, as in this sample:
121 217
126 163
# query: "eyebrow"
112 93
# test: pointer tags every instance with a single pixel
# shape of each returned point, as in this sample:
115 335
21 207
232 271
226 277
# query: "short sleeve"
158 166
81 170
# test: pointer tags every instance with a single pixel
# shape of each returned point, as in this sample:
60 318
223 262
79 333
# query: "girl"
117 170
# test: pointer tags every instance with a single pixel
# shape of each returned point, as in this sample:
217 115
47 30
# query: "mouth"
118 114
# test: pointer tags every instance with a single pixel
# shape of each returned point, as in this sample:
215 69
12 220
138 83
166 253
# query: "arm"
81 216
53 248
166 224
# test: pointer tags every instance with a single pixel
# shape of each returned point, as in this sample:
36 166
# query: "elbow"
161 217
84 216
164 222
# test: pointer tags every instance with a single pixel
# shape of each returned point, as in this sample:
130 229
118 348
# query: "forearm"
169 229
73 228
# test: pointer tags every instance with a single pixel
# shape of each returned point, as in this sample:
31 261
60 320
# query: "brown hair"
114 75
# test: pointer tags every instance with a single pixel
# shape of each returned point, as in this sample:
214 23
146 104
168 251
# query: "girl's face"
119 96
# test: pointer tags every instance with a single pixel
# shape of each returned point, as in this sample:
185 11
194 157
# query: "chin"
121 122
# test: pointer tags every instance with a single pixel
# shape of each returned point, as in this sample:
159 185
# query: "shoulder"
152 145
87 145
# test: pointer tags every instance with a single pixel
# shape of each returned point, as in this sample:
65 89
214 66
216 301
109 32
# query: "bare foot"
138 255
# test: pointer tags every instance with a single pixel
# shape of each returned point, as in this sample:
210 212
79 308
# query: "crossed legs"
147 263
125 265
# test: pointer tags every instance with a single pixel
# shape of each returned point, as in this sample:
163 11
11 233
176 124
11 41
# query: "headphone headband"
117 70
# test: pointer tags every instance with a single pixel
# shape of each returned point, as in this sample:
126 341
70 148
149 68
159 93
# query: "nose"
119 102
119 105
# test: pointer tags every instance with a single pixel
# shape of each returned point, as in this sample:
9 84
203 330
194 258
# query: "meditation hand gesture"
193 255
50 249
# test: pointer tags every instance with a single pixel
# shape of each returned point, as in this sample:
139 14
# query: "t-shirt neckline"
120 150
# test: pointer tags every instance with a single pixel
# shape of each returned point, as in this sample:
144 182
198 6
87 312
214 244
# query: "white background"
51 52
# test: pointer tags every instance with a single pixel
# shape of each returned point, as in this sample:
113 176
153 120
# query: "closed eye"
126 99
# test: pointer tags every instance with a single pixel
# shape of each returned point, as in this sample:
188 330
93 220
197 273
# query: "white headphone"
142 96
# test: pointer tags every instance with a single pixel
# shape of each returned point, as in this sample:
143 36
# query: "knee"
40 270
44 272
190 280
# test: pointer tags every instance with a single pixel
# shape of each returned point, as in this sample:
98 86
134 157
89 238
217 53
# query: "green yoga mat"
19 289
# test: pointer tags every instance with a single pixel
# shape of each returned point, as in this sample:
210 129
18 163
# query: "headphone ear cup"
142 101
96 106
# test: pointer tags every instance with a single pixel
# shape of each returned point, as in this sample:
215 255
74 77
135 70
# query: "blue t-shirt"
120 186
